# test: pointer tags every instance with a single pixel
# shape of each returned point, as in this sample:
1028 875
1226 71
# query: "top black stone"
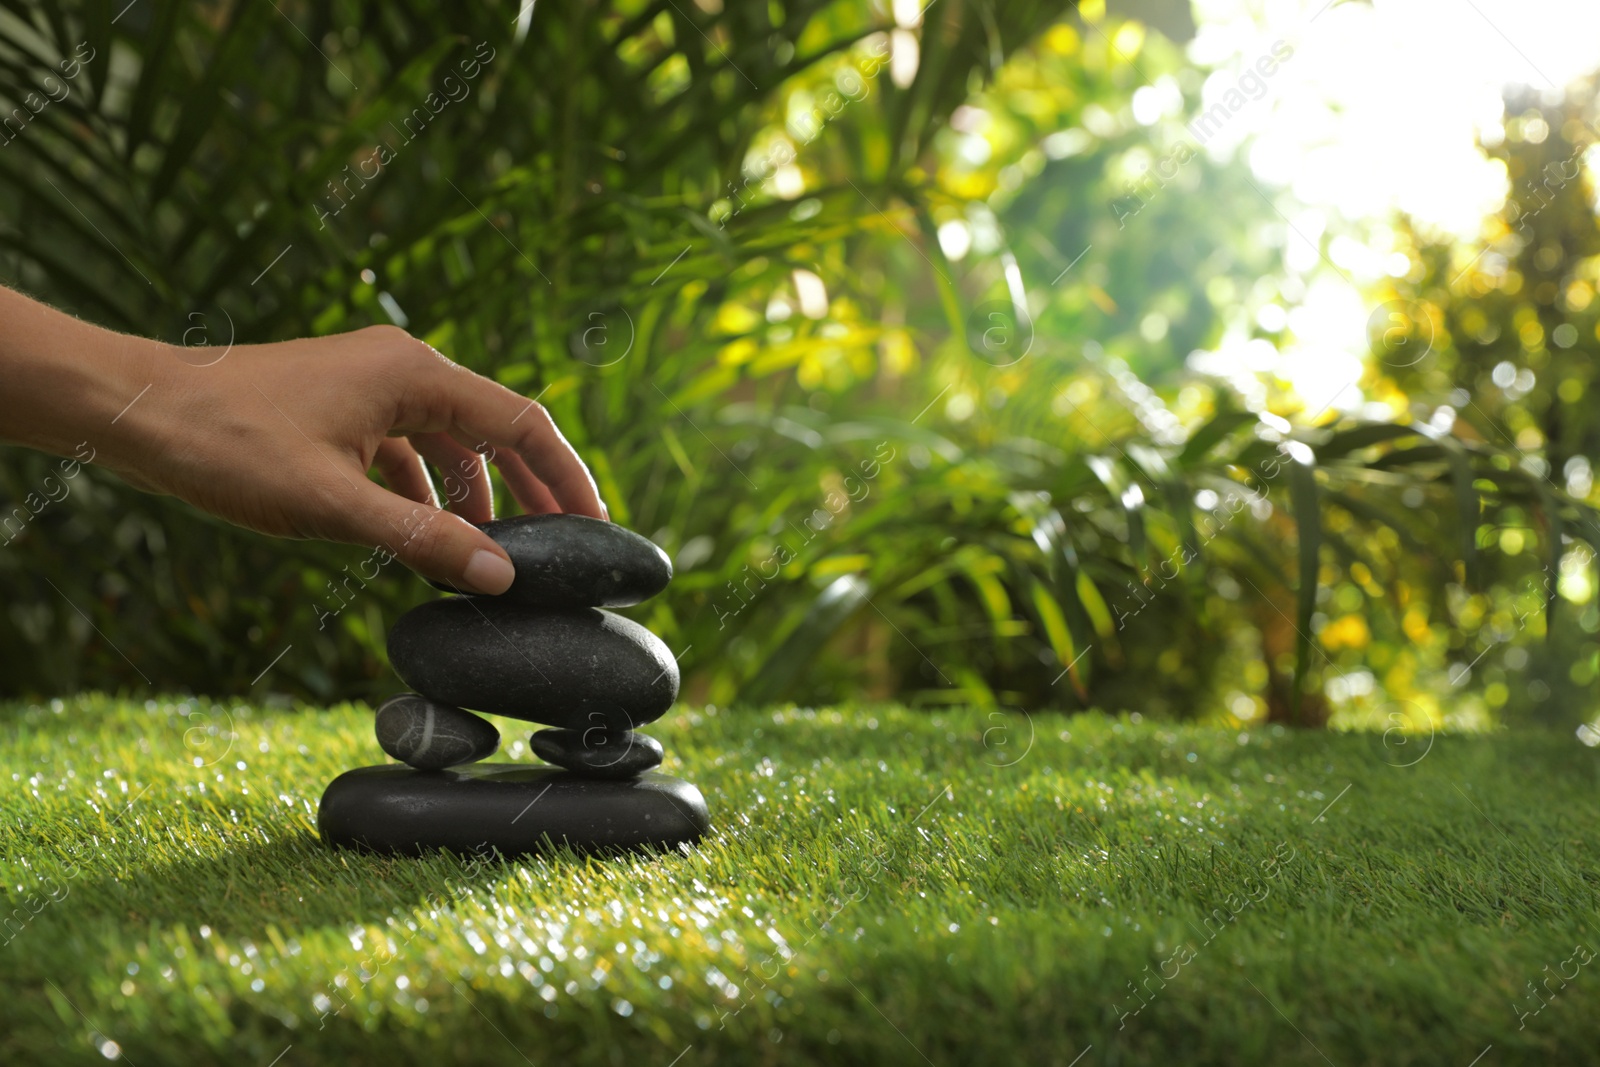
571 561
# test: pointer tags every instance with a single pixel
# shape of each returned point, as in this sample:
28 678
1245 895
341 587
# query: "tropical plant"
784 274
1497 340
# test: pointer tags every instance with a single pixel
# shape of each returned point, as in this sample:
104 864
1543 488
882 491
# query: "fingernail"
488 573
605 512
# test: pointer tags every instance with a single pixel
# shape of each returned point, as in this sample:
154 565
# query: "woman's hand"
279 437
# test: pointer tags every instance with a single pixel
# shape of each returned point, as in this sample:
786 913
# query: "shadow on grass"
296 883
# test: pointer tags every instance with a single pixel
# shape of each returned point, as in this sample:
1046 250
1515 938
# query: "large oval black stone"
573 561
578 669
513 809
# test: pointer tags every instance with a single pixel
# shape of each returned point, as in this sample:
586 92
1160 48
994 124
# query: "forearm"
64 381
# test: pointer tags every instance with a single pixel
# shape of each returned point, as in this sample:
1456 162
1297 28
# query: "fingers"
482 410
436 544
403 471
437 396
466 475
530 492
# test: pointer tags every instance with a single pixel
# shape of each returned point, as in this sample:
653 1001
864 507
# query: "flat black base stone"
513 808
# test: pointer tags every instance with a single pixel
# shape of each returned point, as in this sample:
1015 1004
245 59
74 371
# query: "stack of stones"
546 652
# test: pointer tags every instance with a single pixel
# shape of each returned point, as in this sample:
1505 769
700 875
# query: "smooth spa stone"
614 754
572 561
429 735
513 809
578 668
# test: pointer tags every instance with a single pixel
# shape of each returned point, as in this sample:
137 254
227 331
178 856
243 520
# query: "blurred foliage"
1497 342
813 291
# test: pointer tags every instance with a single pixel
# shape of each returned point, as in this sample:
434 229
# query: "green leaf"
1213 431
1303 497
1343 442
1057 633
787 662
1550 516
1127 495
202 101
1372 513
1467 506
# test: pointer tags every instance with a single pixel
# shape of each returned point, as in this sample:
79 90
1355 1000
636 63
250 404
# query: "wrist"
133 379
97 398
69 385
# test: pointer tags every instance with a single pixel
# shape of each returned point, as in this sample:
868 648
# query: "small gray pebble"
598 753
431 736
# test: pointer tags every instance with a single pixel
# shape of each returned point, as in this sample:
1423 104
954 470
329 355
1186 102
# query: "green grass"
879 890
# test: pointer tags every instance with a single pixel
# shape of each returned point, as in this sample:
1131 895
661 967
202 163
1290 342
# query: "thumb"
436 544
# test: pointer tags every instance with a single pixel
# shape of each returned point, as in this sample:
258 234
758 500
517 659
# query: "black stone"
428 735
613 754
572 561
579 668
514 809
